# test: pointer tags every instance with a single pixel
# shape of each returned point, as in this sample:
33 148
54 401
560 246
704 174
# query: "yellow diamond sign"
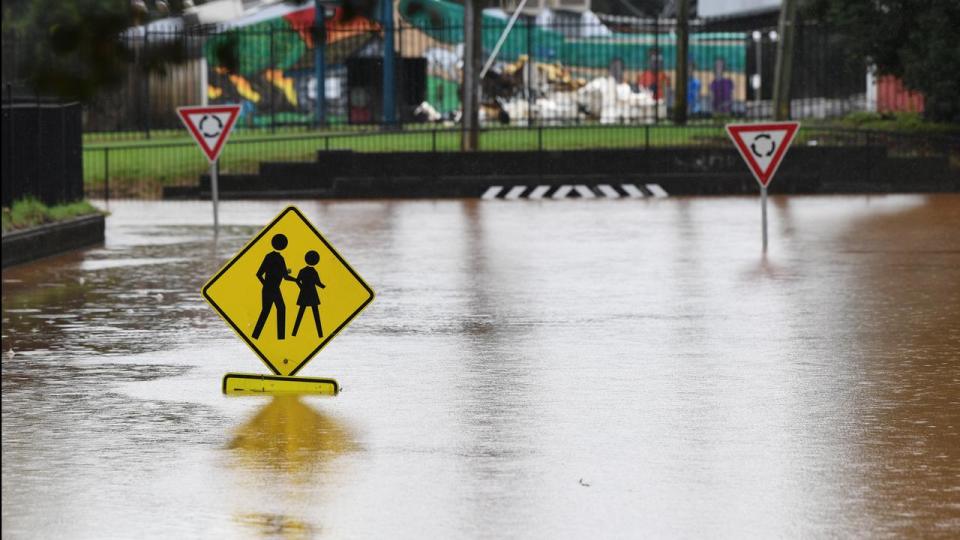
287 293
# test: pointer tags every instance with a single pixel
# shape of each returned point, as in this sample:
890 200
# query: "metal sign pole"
763 206
210 128
762 147
215 194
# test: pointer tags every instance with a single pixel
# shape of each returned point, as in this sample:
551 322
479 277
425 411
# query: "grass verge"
30 212
141 168
901 122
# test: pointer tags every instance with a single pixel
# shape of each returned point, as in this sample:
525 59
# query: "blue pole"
389 65
319 67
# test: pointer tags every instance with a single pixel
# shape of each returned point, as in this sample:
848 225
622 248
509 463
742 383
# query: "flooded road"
564 369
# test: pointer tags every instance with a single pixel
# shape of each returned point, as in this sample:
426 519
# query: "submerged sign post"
210 127
288 271
763 146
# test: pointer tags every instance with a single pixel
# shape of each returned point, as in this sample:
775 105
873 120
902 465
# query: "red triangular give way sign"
210 126
763 146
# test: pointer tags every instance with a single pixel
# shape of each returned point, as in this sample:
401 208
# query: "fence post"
319 65
146 79
433 138
12 158
273 73
681 73
530 98
646 137
389 83
66 191
540 137
656 71
106 174
326 143
37 184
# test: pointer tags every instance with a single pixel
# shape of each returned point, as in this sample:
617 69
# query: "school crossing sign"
287 293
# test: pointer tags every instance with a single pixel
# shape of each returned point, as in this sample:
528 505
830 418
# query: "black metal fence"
562 70
142 170
551 83
42 153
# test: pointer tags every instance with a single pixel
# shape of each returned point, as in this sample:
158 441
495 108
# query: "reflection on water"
541 370
286 442
276 526
288 436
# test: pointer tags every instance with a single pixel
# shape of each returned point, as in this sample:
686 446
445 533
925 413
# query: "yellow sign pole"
246 384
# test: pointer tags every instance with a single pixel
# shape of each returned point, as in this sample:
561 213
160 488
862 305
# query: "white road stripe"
608 191
633 191
538 192
562 192
515 192
657 191
492 192
584 191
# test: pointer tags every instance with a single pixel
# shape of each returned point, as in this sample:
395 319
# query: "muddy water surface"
539 370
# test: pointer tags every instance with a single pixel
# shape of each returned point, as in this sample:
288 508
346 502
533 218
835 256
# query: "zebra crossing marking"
656 190
608 191
538 192
491 192
515 192
633 191
583 191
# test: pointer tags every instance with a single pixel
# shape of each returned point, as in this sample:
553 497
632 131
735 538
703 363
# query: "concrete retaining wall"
52 239
681 171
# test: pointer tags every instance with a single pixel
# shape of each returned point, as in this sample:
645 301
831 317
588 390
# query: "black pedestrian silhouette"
309 280
273 270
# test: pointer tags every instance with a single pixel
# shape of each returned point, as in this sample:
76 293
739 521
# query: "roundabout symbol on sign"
204 132
769 144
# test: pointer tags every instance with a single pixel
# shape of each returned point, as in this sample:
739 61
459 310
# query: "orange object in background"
892 96
656 82
337 27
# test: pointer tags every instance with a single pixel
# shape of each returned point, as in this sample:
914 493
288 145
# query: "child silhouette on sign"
309 280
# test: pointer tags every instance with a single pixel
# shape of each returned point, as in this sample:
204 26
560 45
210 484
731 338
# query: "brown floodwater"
556 369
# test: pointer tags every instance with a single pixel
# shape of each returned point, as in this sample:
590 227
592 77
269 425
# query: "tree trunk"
784 66
472 51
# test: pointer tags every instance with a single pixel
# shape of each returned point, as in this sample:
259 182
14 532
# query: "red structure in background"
338 27
892 96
